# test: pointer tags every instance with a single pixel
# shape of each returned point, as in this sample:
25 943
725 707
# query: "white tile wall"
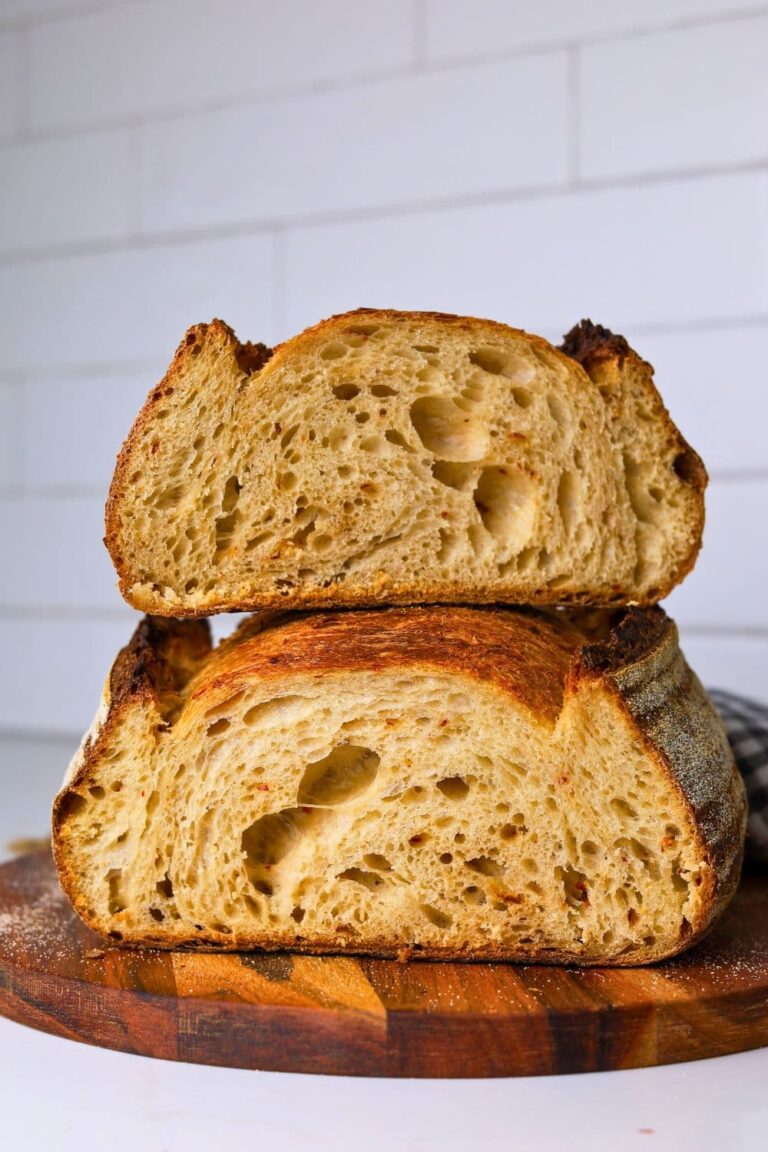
738 662
64 191
455 28
10 406
15 11
545 262
726 586
395 142
10 49
56 684
132 304
705 102
169 54
715 385
164 161
58 559
96 412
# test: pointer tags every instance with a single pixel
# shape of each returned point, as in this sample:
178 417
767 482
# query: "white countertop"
58 1095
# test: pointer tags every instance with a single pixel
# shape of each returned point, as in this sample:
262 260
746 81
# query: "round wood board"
365 1017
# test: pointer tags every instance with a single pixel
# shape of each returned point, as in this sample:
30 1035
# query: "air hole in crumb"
490 360
522 397
569 500
333 351
297 914
346 391
114 883
457 476
505 497
287 436
377 861
453 787
97 792
165 887
369 880
574 886
383 390
435 916
447 431
485 865
474 895
157 915
269 839
446 858
344 773
217 727
395 437
271 710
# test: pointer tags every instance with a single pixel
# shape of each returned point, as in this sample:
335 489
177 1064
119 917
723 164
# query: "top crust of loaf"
600 354
632 656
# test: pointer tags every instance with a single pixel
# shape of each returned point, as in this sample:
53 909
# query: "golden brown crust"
539 658
593 347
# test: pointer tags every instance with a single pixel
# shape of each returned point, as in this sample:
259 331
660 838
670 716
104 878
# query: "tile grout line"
426 67
405 209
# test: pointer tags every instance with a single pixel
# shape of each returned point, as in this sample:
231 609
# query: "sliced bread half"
454 782
387 457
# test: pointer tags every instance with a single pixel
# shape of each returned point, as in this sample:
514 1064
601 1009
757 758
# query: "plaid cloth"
746 723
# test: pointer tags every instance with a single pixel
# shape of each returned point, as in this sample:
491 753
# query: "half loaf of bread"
461 783
387 457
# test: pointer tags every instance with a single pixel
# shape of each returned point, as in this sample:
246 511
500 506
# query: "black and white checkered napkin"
746 723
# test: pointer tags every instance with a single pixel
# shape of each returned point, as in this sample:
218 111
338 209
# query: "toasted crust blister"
274 561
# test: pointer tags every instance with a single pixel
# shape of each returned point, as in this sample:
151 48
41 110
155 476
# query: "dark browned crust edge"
629 664
153 667
619 662
586 341
593 345
587 344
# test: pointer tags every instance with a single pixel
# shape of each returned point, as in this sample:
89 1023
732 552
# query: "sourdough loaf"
454 782
386 457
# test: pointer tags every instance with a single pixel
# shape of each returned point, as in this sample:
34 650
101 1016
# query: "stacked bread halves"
456 724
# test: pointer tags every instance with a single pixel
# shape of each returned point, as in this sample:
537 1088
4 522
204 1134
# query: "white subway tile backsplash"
73 428
654 254
456 28
23 10
714 384
64 191
52 677
704 101
133 306
57 558
345 150
10 103
726 588
10 403
736 664
170 54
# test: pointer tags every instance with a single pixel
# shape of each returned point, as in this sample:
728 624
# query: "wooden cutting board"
363 1017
